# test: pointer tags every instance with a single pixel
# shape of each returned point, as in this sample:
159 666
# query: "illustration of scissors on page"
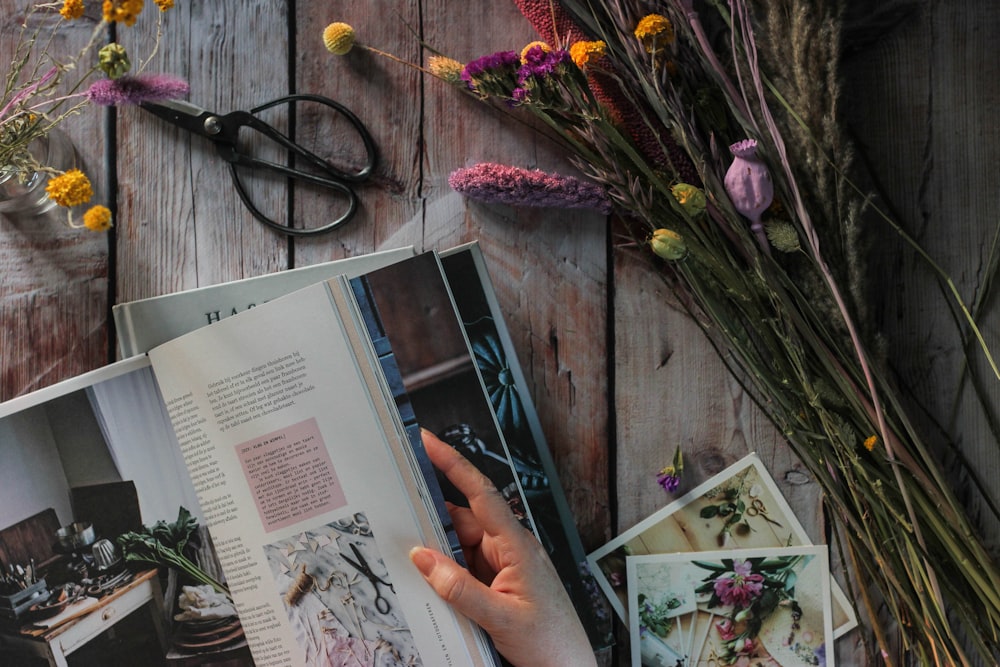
361 565
304 165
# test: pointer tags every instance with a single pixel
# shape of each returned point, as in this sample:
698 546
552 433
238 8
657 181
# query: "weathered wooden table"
619 375
55 645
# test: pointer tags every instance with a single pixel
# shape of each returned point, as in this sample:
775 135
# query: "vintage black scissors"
381 604
224 129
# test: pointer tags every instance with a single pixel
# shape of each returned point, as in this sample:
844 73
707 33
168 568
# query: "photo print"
766 607
738 509
339 597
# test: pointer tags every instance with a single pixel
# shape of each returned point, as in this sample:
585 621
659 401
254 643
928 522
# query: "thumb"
453 584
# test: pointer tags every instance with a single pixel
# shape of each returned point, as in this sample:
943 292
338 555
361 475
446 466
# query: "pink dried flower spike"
136 89
497 183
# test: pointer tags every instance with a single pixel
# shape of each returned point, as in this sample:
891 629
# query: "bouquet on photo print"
751 589
713 132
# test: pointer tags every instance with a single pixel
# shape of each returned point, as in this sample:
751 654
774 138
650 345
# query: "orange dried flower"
97 218
70 189
71 9
585 53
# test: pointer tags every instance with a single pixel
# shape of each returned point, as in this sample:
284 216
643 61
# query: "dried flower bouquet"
761 242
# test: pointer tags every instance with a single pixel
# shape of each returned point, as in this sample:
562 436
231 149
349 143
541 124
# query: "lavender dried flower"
496 183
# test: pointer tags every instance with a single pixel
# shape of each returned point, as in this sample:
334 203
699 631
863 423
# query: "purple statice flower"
541 75
740 587
669 476
136 89
668 479
496 183
539 62
495 74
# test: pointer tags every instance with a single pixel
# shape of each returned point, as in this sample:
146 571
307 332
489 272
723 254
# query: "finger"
469 530
455 585
485 501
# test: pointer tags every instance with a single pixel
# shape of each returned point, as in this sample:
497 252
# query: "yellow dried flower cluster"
164 5
71 9
586 54
97 218
71 188
654 31
122 11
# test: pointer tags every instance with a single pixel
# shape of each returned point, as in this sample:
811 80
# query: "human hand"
513 591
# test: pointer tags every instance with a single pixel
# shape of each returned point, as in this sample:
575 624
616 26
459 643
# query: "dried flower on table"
338 38
43 89
501 184
646 121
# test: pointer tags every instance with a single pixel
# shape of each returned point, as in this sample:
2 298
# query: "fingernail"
423 559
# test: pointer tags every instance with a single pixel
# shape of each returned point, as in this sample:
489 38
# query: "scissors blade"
183 114
362 566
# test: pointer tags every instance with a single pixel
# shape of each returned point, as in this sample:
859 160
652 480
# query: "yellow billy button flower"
71 9
338 38
870 442
654 31
113 60
70 189
668 244
542 45
692 199
97 218
585 54
164 5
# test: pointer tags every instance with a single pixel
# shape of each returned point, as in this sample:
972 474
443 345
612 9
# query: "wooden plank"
386 96
549 266
180 221
53 297
930 135
541 261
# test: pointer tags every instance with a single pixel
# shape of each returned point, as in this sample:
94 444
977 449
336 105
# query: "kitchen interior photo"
80 469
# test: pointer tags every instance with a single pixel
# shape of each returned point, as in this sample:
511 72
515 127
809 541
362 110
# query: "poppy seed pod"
668 244
749 185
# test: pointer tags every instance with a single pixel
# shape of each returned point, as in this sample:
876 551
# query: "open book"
291 431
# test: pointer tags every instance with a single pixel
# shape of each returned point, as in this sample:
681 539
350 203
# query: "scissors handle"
329 176
352 204
371 153
381 604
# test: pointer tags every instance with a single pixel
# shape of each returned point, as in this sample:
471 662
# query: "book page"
142 325
295 459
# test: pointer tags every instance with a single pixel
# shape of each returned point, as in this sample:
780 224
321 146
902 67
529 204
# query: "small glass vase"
29 199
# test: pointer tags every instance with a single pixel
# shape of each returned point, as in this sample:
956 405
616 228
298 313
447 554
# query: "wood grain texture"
180 223
932 140
53 293
618 373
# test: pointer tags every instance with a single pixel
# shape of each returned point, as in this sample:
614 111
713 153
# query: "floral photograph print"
738 509
767 607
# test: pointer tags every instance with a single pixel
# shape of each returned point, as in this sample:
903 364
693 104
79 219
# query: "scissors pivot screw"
213 125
